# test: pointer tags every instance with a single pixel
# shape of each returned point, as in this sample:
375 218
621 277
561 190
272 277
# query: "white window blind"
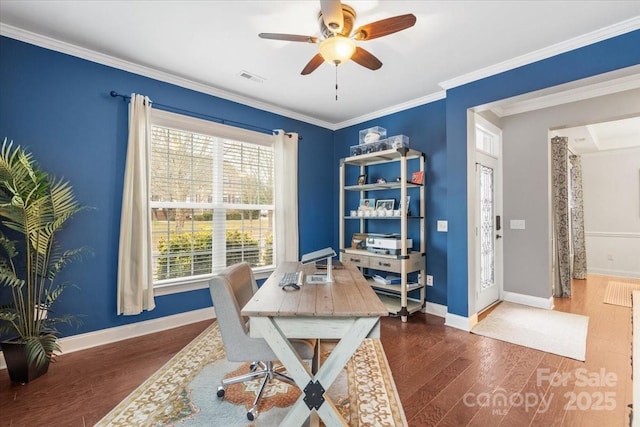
212 201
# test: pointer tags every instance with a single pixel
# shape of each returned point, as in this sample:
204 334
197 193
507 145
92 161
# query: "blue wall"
59 107
619 52
425 127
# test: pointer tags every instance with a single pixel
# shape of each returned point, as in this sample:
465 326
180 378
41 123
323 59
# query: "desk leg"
337 360
327 373
292 362
283 349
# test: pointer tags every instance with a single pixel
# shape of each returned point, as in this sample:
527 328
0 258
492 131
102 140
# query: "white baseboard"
435 309
460 322
529 300
132 330
617 273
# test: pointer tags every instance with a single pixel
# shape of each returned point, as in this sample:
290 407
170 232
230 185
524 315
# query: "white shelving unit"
410 260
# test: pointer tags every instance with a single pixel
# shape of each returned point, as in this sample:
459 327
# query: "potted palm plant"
34 207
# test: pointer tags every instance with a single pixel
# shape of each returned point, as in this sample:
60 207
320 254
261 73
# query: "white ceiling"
206 45
613 135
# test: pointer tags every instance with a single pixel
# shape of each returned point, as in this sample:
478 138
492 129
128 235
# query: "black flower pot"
19 370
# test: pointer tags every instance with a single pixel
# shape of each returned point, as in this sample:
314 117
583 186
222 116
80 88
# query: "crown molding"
614 30
393 109
110 61
100 58
579 93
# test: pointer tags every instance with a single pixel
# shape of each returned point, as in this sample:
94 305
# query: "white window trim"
205 127
194 283
488 127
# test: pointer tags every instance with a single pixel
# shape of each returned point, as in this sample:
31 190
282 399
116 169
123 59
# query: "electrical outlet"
429 280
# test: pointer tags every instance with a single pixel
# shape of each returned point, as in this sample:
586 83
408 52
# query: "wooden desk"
347 310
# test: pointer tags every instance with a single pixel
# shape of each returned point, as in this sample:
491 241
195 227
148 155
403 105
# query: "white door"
489 222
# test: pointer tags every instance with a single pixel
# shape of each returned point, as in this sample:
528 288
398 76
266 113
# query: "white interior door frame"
473 120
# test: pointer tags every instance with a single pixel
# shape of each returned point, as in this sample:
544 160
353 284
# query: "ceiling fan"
338 46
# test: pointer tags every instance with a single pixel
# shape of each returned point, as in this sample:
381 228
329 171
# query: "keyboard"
291 277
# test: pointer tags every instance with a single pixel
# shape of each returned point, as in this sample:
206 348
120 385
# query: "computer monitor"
326 253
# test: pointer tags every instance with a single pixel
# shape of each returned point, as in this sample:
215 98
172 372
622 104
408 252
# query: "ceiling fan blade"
288 37
332 15
366 59
315 62
385 27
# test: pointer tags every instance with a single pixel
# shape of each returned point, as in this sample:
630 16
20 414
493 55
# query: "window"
212 198
488 137
486 141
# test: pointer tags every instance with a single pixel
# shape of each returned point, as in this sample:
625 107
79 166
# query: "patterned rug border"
184 365
208 348
619 293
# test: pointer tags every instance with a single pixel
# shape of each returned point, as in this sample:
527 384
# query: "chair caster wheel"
253 366
252 414
220 392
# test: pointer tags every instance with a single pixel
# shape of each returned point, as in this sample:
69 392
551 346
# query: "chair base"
267 371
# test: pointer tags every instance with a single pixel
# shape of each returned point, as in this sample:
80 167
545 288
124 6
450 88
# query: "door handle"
498 236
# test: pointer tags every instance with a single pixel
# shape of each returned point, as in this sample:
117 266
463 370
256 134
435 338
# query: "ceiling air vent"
250 76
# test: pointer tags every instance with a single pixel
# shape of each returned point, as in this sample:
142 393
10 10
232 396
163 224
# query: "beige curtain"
577 219
286 196
135 274
561 243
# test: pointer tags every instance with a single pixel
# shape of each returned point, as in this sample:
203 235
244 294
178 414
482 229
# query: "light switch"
517 224
443 226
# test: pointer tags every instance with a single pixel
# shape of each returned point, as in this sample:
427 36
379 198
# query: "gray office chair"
230 291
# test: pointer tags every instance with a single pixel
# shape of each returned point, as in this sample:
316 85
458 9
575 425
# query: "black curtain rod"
169 108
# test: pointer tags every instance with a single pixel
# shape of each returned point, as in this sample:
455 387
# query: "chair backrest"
230 290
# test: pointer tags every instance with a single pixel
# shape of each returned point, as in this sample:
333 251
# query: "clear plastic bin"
398 141
372 147
373 134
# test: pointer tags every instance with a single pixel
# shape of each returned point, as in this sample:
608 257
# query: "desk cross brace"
314 395
350 337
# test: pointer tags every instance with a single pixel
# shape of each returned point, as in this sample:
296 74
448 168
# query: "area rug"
552 331
619 293
183 391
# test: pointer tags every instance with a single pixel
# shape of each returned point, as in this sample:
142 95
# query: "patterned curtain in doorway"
577 219
562 246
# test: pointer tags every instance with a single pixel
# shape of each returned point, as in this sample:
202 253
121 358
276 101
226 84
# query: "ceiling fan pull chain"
336 81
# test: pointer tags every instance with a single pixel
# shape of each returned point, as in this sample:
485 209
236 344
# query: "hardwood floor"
444 376
435 367
82 387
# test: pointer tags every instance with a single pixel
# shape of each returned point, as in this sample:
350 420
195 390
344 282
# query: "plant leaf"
42 348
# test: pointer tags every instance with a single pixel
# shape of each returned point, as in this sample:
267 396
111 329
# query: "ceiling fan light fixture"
337 49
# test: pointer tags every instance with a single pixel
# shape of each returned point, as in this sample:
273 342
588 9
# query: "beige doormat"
552 331
619 293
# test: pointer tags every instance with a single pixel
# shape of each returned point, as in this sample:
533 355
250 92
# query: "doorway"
488 213
607 155
525 121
